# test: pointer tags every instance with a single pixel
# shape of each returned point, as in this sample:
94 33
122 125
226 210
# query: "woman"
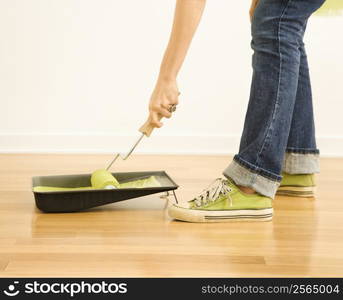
278 152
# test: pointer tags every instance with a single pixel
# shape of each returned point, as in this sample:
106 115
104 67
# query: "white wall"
76 76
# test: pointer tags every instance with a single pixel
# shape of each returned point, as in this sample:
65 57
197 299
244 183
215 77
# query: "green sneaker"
223 201
297 185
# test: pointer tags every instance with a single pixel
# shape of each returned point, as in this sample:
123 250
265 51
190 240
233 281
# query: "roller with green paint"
103 179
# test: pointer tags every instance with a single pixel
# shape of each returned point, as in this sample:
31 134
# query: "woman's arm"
186 19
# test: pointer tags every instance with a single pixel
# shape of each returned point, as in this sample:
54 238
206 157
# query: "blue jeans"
279 131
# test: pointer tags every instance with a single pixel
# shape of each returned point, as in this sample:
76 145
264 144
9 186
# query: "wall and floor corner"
72 80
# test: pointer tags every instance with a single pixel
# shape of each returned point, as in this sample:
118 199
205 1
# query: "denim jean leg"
277 32
302 154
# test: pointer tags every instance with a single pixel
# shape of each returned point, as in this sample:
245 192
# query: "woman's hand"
163 97
252 8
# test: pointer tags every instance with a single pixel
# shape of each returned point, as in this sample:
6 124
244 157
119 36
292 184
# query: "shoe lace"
217 188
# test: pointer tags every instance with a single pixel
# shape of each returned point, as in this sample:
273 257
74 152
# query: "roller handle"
147 128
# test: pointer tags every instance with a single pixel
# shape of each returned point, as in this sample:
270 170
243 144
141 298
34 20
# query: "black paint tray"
73 201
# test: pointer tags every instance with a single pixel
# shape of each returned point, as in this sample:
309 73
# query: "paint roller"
103 179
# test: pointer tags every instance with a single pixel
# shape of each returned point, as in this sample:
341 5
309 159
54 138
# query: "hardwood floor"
136 238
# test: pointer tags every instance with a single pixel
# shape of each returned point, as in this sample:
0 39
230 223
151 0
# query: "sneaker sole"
203 216
297 191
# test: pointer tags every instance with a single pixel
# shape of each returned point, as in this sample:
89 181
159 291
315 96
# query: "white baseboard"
157 144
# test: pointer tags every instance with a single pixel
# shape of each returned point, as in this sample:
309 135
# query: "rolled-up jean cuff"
299 163
244 176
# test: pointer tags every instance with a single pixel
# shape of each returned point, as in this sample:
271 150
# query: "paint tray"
77 200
